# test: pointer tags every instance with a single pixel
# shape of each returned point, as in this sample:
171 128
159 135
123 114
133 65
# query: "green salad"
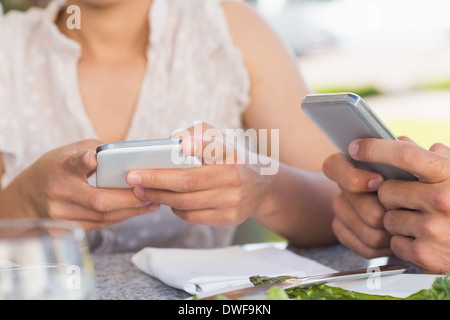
440 290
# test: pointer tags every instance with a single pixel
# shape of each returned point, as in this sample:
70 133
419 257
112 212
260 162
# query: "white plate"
401 285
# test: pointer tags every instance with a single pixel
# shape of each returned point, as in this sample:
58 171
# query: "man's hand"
358 222
418 213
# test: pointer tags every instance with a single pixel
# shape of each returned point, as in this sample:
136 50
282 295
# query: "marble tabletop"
118 279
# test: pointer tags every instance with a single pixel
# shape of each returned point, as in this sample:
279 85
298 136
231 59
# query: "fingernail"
134 179
88 156
375 183
353 149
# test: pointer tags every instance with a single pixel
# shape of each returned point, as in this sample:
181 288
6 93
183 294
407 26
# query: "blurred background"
394 53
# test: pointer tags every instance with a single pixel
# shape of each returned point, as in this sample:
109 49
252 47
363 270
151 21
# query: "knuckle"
235 199
429 227
54 211
54 188
388 220
150 180
340 231
407 156
96 202
186 201
419 253
234 175
233 218
354 183
327 165
371 219
188 182
335 227
100 219
440 200
331 165
375 239
438 148
384 190
72 161
374 217
337 205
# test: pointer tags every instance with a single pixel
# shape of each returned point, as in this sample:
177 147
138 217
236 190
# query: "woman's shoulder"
21 32
15 22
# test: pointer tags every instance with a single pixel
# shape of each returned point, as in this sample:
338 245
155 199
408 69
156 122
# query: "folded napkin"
200 271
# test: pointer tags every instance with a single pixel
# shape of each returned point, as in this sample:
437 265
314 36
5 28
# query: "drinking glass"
44 259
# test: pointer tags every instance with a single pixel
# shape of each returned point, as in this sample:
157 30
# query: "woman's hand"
223 191
56 186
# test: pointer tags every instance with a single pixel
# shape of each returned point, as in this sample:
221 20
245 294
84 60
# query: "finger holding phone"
358 220
359 214
395 195
56 186
418 212
223 191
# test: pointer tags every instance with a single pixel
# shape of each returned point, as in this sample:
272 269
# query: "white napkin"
200 271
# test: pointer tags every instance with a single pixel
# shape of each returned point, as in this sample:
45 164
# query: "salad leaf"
440 290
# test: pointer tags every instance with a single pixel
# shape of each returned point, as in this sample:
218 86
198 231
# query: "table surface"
118 279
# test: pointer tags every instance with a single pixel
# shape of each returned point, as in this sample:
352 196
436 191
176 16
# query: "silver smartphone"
344 117
115 160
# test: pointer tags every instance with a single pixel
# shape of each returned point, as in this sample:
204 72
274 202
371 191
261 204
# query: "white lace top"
194 73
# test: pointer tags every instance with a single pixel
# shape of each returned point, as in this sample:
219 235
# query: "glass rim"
70 226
